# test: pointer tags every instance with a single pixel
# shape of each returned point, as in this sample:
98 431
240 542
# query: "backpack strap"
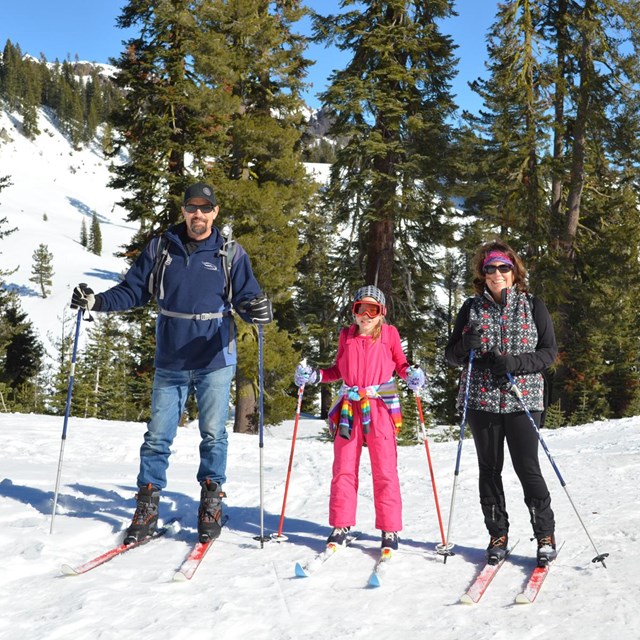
161 256
227 252
159 249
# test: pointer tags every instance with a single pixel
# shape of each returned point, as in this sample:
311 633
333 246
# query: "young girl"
367 411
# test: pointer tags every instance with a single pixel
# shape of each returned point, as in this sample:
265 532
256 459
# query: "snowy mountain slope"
53 188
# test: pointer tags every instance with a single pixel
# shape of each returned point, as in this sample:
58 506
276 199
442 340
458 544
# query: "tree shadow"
22 290
88 212
115 508
112 276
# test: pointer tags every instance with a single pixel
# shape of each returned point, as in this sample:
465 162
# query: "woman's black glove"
471 338
503 364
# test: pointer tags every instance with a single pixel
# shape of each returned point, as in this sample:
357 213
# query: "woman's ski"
483 579
534 584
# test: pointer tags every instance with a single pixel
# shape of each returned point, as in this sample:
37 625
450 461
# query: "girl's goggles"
371 309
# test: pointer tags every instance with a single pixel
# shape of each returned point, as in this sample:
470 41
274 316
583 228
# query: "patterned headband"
497 256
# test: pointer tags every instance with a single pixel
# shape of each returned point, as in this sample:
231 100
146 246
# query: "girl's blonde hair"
377 332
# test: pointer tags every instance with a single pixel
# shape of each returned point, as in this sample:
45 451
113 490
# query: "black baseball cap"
200 190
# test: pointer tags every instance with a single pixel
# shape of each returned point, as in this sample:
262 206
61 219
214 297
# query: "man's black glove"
502 365
471 338
83 297
259 310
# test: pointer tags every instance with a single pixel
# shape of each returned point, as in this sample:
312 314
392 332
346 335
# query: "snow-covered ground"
243 591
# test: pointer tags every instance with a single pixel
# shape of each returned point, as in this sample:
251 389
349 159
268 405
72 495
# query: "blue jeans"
170 392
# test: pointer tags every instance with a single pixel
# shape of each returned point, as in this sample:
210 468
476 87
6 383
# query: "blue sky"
63 28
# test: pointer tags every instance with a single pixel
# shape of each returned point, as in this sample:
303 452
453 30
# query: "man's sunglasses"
192 208
371 309
502 268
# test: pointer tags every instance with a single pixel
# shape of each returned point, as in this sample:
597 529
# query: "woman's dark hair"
479 278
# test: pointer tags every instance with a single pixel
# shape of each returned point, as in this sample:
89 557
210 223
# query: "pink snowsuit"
363 362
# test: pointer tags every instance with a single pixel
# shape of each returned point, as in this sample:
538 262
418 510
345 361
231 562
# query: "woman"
368 411
511 332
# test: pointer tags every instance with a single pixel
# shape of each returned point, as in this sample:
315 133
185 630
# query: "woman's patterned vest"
513 330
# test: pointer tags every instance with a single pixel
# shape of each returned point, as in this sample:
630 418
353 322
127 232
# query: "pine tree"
554 417
165 113
31 99
63 348
260 59
106 141
596 208
22 355
93 105
10 75
389 185
70 109
140 340
511 133
221 83
316 309
556 181
42 269
101 385
5 181
95 236
84 236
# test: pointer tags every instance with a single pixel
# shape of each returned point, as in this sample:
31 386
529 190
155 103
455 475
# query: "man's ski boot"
145 519
338 536
497 549
210 511
546 550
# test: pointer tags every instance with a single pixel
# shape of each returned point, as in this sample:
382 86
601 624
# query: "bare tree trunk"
380 254
559 121
576 179
246 406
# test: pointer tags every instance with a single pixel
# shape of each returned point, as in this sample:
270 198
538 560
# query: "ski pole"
278 536
446 550
67 410
433 479
516 391
518 394
261 427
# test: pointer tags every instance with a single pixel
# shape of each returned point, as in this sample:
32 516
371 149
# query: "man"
195 285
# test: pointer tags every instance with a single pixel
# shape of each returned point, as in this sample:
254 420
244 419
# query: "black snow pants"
490 430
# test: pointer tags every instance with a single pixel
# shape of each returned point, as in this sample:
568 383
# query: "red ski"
189 566
68 570
483 579
533 586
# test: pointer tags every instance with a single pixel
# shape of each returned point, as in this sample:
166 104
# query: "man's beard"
198 227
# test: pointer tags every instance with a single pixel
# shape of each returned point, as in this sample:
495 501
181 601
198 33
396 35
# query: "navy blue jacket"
192 284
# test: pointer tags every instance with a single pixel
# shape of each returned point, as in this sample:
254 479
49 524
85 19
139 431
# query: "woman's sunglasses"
502 268
371 309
